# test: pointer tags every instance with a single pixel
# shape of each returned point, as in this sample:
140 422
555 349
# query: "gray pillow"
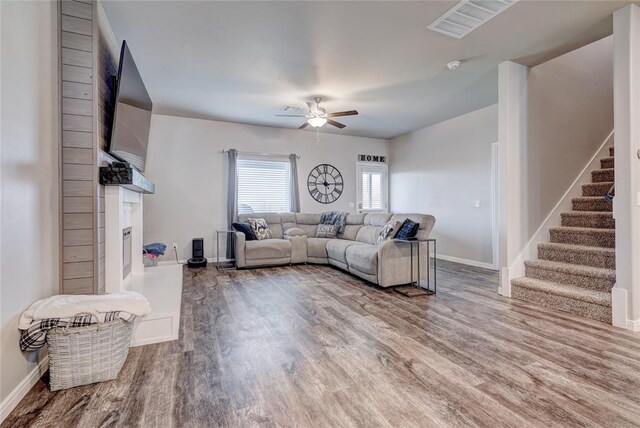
327 231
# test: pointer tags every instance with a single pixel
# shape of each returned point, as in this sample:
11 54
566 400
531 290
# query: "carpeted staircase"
576 270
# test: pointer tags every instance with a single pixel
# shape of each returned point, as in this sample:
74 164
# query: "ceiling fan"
318 116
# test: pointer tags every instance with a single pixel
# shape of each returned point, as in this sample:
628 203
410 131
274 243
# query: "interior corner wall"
28 181
442 170
186 163
569 116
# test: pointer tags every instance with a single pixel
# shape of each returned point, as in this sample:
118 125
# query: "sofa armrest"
394 263
241 260
298 248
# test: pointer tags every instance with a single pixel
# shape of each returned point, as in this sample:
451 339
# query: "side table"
415 288
231 264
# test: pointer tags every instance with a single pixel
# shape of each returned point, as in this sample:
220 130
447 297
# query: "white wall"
441 170
29 177
569 115
185 162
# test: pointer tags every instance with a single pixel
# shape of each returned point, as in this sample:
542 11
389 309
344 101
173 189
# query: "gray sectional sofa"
294 241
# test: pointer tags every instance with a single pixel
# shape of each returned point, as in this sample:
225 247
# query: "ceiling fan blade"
290 115
343 113
336 124
304 125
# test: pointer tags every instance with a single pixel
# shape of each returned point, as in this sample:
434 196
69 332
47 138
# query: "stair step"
592 237
591 203
587 277
601 175
578 254
578 301
596 189
589 219
611 151
607 162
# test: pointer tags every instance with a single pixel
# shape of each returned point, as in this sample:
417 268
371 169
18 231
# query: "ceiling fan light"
317 122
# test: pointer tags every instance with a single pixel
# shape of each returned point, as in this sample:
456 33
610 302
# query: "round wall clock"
325 183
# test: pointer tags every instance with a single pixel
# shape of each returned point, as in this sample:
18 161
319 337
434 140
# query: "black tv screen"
132 114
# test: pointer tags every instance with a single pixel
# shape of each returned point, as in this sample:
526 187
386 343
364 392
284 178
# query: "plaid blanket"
338 218
35 336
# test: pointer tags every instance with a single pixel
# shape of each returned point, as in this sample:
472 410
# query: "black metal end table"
415 288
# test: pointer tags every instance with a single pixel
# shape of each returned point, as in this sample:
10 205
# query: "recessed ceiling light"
468 15
453 65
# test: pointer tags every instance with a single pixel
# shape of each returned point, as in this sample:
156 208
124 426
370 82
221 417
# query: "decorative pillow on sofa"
409 229
327 231
389 231
260 228
246 229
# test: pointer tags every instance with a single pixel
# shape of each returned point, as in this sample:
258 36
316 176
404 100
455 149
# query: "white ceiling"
243 61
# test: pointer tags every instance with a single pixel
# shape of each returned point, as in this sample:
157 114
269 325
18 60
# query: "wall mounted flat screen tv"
132 114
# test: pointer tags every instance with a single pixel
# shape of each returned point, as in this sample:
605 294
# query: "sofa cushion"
368 234
308 218
268 249
274 220
376 219
317 247
337 249
351 231
363 258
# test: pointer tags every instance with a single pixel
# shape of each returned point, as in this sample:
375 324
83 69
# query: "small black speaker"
197 252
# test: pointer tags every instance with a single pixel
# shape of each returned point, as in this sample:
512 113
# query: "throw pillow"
409 229
246 229
260 228
327 231
389 231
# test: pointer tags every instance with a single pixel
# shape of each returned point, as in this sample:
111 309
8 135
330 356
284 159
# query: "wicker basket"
90 354
148 261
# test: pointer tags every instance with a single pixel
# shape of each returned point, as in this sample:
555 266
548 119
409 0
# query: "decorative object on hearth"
125 175
317 116
325 183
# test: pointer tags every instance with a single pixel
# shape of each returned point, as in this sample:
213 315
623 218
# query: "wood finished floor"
313 346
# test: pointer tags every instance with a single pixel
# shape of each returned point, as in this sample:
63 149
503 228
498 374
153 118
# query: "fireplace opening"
126 252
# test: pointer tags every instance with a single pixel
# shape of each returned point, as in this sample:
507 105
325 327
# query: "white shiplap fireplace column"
123 209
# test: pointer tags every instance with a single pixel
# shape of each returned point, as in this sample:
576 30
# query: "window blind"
371 191
263 185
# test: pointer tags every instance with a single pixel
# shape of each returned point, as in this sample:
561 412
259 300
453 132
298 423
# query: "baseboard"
466 262
633 325
14 398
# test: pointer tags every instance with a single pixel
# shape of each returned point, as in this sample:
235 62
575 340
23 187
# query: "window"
263 185
372 187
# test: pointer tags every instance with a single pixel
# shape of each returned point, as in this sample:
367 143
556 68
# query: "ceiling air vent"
292 109
468 15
